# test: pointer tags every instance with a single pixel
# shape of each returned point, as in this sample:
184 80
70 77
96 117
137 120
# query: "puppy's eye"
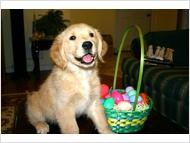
72 38
91 34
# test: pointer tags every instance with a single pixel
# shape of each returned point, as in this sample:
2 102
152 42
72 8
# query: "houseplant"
51 23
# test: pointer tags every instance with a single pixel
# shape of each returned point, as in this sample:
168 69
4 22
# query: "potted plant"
50 24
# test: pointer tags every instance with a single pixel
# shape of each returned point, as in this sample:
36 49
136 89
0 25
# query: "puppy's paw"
71 130
106 131
42 128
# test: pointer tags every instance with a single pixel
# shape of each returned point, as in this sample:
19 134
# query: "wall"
126 18
163 19
7 40
107 21
101 19
183 19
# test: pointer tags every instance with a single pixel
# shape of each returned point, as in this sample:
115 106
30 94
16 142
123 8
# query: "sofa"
167 85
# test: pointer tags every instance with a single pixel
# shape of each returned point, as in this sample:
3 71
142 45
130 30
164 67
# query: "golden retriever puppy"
73 86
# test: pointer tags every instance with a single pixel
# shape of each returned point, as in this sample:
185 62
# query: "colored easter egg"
144 97
132 93
126 97
129 88
109 103
123 105
117 96
108 95
139 98
132 99
104 90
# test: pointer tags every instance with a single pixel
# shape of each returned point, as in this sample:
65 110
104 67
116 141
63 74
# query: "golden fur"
72 88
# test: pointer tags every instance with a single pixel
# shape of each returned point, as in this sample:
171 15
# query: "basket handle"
141 60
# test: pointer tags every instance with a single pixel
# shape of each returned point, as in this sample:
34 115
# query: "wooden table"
37 46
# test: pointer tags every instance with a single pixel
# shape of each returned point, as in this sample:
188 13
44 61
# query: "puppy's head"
80 44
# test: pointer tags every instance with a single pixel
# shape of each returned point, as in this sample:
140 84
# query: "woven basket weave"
129 121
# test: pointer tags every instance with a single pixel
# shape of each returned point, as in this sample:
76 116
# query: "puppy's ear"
102 46
57 53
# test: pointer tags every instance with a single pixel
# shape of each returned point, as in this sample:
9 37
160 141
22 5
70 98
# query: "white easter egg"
123 105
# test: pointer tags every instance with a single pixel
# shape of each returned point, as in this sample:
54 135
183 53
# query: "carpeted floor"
7 119
9 109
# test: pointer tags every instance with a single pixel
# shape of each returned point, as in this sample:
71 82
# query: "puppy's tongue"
88 58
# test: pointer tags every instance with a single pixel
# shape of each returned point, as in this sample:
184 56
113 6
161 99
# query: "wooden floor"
12 84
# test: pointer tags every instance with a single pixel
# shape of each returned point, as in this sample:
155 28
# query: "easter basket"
121 121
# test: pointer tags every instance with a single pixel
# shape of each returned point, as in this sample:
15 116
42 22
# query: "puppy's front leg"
67 122
96 113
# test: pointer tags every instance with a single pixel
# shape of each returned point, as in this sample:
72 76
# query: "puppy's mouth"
86 59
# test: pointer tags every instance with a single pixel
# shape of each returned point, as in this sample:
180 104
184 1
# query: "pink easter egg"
117 96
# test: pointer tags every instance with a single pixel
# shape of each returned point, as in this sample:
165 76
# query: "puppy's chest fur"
80 89
85 92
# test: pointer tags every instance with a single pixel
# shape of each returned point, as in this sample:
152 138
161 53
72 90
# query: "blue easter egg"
132 93
132 99
126 97
139 99
129 88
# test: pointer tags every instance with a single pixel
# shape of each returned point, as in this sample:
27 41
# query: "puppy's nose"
87 45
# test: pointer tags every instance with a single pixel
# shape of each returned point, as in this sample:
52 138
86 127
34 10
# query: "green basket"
129 121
